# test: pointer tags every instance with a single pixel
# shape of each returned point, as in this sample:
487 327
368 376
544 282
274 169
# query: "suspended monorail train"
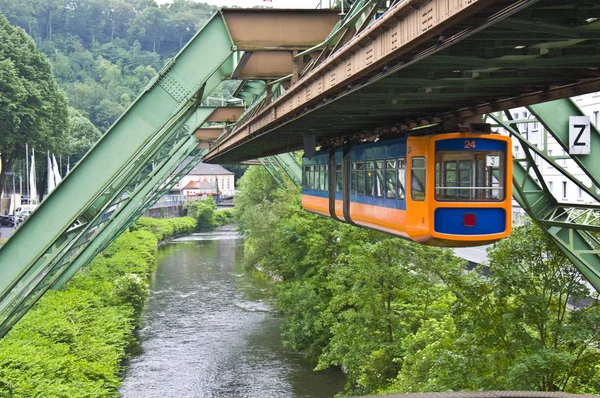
449 189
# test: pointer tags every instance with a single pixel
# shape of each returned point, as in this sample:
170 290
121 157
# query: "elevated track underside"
434 62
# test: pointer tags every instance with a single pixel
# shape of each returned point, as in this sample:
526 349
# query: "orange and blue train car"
449 189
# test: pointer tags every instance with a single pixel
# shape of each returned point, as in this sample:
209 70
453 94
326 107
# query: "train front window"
473 176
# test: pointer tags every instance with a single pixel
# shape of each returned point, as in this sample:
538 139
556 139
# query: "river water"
210 330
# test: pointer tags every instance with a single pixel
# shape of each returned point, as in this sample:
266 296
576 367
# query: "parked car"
7 221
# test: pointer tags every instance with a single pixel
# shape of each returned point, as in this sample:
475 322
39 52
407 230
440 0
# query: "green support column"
67 220
134 209
272 170
290 166
147 193
570 225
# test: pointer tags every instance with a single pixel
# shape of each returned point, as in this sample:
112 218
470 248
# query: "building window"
580 193
550 184
564 184
596 119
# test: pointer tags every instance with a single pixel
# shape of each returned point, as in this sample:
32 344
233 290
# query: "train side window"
390 178
338 177
417 181
311 177
354 177
305 177
401 177
360 176
379 179
370 174
322 177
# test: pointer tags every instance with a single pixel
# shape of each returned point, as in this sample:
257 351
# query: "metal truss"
572 226
282 165
119 178
271 168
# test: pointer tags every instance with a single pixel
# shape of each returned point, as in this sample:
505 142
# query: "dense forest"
103 52
401 317
75 68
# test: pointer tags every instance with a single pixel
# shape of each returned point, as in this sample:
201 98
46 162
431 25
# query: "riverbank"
73 342
210 329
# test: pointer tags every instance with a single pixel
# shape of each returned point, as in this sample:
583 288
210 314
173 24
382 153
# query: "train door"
417 187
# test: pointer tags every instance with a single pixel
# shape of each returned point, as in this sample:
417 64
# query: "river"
210 330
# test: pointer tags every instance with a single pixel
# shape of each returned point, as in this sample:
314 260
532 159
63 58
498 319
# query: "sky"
252 3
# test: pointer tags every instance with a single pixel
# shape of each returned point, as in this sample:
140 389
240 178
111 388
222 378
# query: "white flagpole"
27 172
50 181
32 184
56 170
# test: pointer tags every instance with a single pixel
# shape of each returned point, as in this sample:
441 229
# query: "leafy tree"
203 212
33 109
528 325
82 136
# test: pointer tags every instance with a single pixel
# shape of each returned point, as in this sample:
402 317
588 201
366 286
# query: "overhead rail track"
428 62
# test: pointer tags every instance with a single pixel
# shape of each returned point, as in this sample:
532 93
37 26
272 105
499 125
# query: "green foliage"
223 217
203 211
104 52
82 136
73 342
165 228
33 110
400 317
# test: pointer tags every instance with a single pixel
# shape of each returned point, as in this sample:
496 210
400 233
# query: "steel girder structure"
121 176
281 166
573 227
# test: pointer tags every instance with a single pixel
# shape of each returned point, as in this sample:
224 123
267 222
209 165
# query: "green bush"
203 212
223 217
73 342
165 228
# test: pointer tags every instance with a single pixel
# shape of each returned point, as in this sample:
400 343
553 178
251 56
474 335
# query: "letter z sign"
579 135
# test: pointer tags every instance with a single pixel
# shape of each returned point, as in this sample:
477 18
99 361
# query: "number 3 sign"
579 135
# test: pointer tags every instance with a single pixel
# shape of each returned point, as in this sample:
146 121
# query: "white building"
560 186
206 179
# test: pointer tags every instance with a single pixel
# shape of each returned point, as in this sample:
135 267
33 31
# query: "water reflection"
210 331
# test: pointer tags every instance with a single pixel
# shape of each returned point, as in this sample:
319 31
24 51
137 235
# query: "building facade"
558 184
206 179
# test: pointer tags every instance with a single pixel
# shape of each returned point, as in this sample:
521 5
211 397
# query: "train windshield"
470 176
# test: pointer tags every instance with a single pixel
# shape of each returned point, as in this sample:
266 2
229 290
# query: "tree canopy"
103 52
33 110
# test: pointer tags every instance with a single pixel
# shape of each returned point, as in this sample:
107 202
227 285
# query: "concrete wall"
165 212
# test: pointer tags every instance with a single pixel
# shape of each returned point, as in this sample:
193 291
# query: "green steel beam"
290 166
570 226
146 194
272 170
554 115
39 252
